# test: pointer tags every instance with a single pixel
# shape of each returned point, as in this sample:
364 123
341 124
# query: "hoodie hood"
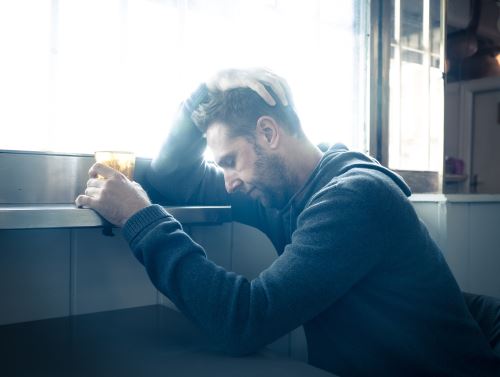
336 161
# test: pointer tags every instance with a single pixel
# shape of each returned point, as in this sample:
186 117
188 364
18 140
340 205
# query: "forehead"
221 143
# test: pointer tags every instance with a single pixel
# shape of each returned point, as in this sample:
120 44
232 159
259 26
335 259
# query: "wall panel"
485 248
34 274
106 275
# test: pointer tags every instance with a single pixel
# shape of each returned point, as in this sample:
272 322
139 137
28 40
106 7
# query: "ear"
268 131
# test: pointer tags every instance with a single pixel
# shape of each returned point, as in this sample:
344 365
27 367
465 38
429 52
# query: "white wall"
468 233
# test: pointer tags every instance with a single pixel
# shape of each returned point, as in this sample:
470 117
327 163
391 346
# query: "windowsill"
44 216
455 178
456 198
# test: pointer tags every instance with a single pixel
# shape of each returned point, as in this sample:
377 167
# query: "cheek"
247 177
248 172
256 177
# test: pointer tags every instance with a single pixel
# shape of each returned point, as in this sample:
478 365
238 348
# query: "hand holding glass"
124 162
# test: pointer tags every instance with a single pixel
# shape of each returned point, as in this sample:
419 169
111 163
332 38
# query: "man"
356 267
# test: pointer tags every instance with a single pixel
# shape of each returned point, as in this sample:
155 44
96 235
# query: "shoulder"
361 185
359 195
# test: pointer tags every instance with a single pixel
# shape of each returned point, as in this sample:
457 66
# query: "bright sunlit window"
416 86
79 76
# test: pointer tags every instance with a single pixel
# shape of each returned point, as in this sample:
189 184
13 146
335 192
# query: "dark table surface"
144 341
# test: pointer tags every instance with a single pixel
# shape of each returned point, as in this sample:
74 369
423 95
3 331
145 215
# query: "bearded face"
250 169
271 180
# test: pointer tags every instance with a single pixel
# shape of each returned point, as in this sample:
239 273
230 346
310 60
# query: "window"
79 76
416 86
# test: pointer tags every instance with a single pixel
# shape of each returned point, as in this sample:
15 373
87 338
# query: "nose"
231 181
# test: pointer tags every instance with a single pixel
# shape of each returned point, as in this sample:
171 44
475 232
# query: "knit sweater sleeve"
179 174
328 254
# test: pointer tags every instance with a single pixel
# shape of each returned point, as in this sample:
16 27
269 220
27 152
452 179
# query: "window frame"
380 56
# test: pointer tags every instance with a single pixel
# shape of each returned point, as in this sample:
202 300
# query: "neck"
304 157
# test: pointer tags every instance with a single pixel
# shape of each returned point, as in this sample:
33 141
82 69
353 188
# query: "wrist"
132 213
142 220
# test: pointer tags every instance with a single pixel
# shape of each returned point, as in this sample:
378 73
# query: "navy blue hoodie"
356 268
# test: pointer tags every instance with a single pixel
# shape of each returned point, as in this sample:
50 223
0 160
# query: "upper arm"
337 242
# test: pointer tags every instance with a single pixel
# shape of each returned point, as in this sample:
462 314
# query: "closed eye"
227 161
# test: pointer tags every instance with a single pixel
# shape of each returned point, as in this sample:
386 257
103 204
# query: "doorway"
485 146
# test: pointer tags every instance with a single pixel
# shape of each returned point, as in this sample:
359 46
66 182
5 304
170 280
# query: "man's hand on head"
256 79
114 196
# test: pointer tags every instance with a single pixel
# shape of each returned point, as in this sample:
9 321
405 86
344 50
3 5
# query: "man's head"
240 108
250 141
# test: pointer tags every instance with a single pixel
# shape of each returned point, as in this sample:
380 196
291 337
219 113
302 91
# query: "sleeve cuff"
142 219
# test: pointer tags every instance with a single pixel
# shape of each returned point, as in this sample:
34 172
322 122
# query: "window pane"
110 74
89 82
412 24
24 73
435 30
416 87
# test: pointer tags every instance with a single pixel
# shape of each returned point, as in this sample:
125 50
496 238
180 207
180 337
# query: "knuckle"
80 201
116 177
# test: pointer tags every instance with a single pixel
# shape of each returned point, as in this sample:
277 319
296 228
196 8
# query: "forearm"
234 312
179 173
185 145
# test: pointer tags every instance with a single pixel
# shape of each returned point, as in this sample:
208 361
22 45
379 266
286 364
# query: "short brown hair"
240 109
